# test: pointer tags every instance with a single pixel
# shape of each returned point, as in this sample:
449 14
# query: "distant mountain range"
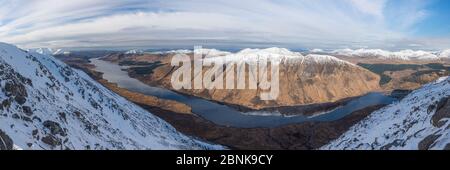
386 55
361 53
49 51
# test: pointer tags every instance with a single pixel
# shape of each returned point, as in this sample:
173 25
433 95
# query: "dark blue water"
228 116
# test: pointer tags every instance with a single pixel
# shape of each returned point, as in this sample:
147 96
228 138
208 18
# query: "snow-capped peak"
399 55
316 50
445 54
211 52
203 51
281 54
180 51
268 51
134 51
419 121
317 58
60 52
48 51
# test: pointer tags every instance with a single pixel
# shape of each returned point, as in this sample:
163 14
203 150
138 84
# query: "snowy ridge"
280 54
204 51
419 121
317 50
46 104
135 51
48 51
211 52
323 59
445 54
181 51
400 55
268 51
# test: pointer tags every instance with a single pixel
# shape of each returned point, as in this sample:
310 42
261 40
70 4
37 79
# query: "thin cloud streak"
169 23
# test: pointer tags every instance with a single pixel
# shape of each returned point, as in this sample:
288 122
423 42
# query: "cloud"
175 23
372 7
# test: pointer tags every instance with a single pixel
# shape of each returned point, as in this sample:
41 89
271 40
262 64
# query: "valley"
307 124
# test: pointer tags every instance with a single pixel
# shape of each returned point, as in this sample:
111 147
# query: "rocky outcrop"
442 112
6 142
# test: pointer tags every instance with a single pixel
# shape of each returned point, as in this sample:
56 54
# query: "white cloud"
372 7
113 23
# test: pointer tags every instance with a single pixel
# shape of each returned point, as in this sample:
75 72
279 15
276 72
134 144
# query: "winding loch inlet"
229 116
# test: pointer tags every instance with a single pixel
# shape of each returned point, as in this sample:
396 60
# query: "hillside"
419 121
46 104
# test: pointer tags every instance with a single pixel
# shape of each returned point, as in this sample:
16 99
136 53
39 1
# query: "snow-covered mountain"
204 51
49 51
212 52
61 52
45 104
419 121
317 50
303 79
444 54
135 51
399 55
281 54
180 51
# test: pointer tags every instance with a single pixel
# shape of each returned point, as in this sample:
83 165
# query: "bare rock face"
6 142
303 80
442 112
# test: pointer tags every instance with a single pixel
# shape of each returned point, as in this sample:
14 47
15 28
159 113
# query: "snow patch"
48 51
135 51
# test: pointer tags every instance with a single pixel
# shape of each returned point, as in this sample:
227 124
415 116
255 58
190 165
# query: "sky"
295 24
